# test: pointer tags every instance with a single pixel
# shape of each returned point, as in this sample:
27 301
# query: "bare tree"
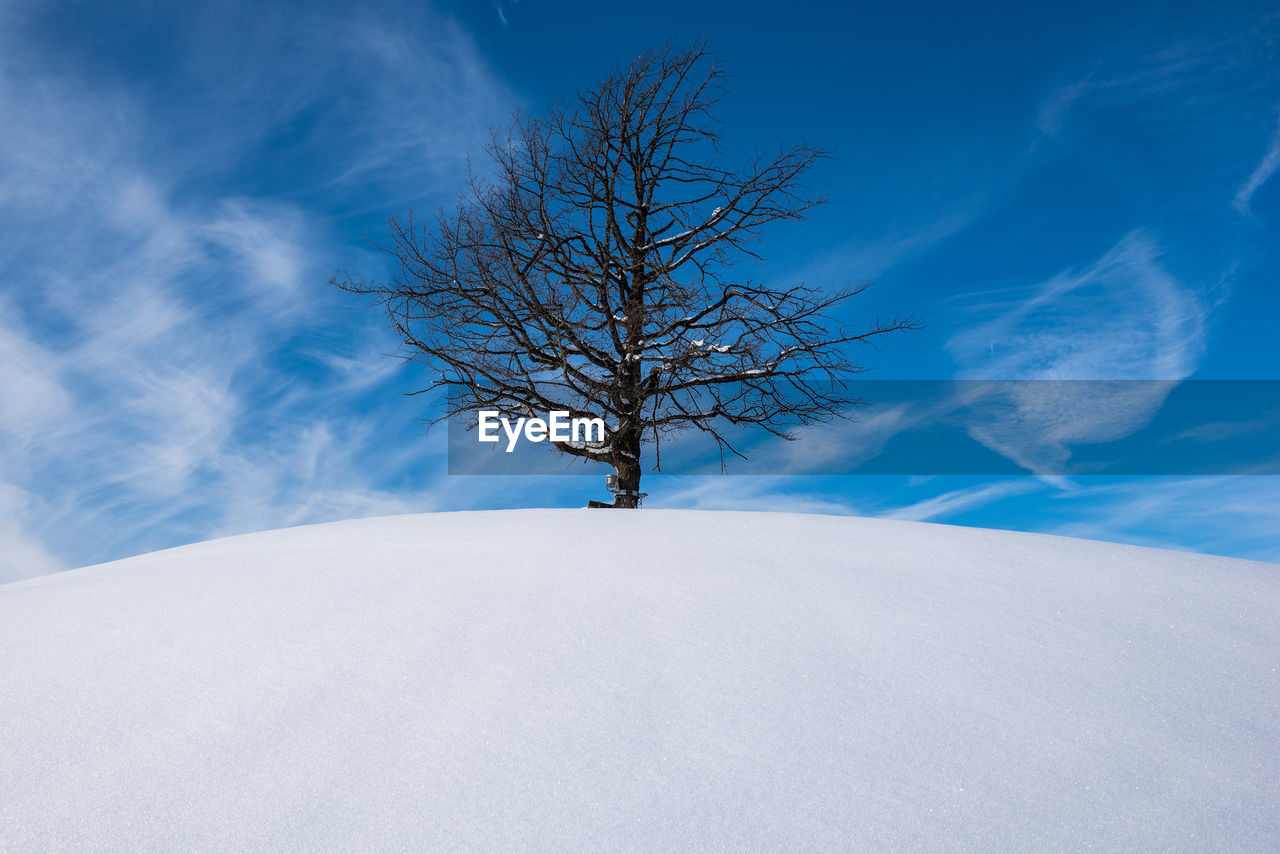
593 271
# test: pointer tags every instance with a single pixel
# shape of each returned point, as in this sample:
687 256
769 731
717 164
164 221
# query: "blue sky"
1068 191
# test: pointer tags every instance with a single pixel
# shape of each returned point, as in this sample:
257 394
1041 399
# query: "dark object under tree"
593 272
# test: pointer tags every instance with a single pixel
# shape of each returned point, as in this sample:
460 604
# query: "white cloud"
1125 317
1236 515
31 393
1136 70
960 500
268 243
1262 173
746 492
145 302
419 131
872 257
841 444
1053 111
22 554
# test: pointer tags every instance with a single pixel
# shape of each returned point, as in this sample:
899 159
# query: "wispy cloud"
32 392
1123 317
873 256
959 500
1224 515
173 364
1262 173
22 553
1054 109
1135 70
418 133
778 494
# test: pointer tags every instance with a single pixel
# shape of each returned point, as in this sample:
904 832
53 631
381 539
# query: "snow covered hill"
655 681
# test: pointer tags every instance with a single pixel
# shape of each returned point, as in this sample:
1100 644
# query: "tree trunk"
626 462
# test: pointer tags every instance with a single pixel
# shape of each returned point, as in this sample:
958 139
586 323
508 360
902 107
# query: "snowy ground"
656 681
